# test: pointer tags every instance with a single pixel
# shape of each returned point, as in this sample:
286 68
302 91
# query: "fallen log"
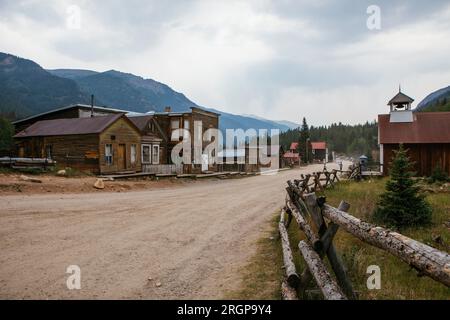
304 226
429 261
289 267
325 282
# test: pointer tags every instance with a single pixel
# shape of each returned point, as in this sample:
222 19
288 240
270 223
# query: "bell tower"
400 107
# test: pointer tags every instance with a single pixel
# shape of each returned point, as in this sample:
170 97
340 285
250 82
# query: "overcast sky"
275 59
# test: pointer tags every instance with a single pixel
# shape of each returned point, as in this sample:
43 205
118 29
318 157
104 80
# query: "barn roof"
70 126
320 145
294 146
427 127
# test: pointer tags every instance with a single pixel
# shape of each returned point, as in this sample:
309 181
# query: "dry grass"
398 281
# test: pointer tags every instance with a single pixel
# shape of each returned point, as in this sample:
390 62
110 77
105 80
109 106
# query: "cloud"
279 59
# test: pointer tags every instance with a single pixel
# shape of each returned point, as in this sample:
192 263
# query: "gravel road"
185 242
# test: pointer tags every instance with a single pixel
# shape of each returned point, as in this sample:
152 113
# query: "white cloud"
282 60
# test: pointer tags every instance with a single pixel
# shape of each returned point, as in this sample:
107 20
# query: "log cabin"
99 145
426 136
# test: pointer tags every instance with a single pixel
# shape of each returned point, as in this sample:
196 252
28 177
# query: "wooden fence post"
292 277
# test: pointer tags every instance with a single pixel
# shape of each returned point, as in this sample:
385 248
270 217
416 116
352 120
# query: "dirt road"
191 240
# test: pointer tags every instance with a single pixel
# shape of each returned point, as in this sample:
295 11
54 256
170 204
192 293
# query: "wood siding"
120 132
74 151
426 156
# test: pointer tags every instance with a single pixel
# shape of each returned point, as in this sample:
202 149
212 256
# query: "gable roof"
320 145
427 127
294 146
401 98
140 121
70 126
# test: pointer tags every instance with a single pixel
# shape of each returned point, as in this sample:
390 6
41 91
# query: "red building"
426 135
319 150
292 157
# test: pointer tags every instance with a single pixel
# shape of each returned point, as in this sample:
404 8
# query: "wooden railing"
319 222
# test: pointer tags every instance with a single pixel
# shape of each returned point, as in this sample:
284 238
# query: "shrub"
438 175
402 205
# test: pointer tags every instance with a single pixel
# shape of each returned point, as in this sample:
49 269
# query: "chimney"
167 109
92 105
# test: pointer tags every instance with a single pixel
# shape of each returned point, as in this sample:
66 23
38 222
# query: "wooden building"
426 135
292 157
169 121
104 144
155 128
319 151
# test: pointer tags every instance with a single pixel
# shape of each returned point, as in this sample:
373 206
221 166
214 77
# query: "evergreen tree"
6 134
304 142
402 205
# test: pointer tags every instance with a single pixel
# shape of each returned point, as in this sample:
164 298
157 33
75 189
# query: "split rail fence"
319 222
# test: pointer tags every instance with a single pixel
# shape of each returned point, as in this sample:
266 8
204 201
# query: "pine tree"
304 142
6 137
402 204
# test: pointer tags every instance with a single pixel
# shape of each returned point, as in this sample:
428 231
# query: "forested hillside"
352 140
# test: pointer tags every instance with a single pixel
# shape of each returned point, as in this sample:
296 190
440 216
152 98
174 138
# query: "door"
205 160
121 157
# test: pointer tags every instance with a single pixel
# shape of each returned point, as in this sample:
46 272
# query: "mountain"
26 88
72 74
438 100
131 92
283 123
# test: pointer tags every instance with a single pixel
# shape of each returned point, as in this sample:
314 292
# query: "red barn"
425 134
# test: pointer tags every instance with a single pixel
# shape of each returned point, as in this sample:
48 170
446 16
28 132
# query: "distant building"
319 151
425 134
106 144
292 156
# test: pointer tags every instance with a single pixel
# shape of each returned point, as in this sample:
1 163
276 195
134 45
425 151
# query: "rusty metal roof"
71 126
294 146
290 154
427 127
320 145
140 121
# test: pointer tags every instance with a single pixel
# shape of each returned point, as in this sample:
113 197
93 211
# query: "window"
108 154
187 127
48 152
175 124
133 154
155 154
146 152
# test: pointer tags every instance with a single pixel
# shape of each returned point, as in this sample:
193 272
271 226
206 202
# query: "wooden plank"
325 282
